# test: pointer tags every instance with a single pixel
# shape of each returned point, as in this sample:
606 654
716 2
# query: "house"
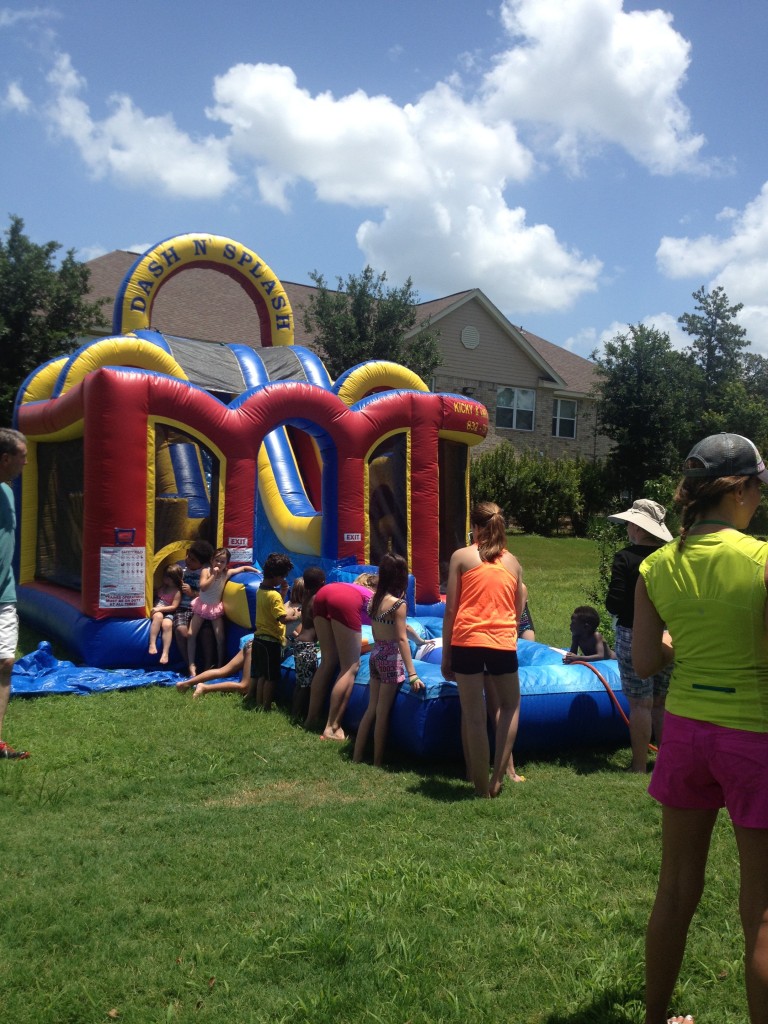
539 396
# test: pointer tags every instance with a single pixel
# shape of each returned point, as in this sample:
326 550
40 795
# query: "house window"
564 417
515 408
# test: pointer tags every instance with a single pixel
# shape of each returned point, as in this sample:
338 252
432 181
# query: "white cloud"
583 342
754 318
594 72
449 247
665 323
737 262
16 99
439 173
136 149
727 213
336 145
90 252
445 220
11 18
610 332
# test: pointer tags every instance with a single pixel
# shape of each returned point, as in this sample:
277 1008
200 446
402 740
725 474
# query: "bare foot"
183 684
192 671
199 690
333 734
495 790
163 658
152 649
687 1019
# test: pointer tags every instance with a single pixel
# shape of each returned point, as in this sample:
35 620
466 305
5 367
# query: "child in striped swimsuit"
390 658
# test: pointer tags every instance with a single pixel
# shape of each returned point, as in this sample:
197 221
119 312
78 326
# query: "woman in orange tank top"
483 605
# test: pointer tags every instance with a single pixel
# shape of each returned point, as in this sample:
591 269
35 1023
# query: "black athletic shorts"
266 658
470 661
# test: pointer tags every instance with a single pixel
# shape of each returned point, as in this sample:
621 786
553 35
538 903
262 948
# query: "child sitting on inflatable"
586 639
208 604
199 554
167 601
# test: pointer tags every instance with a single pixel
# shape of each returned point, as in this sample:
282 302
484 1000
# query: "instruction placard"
240 550
122 582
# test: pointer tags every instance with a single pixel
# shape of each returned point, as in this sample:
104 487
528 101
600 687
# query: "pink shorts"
343 602
702 766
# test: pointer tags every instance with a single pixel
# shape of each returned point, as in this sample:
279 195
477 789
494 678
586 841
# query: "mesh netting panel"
452 467
60 513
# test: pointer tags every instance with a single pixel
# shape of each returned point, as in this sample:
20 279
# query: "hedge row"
544 495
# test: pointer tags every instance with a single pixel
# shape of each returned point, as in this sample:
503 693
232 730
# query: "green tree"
754 401
717 339
363 319
717 354
732 384
643 404
43 308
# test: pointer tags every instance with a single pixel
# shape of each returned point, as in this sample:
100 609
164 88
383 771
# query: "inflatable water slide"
141 442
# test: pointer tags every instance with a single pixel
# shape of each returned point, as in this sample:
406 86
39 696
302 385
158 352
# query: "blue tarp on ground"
41 672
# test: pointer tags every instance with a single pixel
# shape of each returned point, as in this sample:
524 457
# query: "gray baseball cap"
725 455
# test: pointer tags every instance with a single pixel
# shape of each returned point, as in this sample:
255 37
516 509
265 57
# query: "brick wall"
587 443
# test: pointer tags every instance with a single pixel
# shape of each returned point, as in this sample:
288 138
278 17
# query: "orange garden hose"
611 694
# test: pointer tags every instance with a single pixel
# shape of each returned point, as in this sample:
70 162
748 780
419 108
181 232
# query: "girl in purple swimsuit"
390 658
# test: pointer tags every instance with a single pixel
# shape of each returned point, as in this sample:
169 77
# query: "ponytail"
490 530
697 495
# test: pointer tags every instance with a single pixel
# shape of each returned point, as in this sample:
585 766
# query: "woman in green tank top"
710 591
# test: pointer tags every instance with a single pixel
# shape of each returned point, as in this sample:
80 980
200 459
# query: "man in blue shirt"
13 458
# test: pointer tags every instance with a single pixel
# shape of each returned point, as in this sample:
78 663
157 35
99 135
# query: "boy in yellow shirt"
269 634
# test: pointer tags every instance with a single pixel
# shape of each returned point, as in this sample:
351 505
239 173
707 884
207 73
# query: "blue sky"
587 163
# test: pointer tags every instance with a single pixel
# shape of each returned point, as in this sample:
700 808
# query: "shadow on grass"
612 1006
581 761
441 781
443 790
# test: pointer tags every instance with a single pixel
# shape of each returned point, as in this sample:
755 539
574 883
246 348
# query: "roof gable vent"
470 337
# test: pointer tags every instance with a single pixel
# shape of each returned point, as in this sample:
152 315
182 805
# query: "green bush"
492 477
662 489
610 538
597 486
535 491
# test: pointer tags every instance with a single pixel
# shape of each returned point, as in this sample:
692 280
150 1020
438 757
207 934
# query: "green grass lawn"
171 860
558 572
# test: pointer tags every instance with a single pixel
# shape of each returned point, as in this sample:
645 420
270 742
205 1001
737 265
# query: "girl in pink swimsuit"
209 603
340 610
